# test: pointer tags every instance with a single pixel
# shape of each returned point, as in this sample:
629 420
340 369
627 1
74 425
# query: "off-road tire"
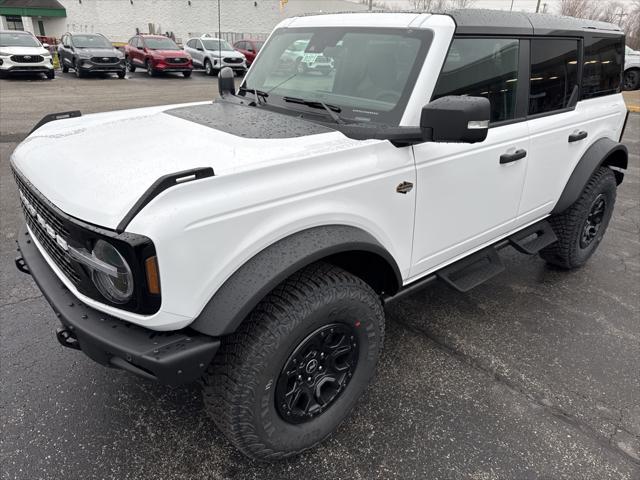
239 387
567 252
631 79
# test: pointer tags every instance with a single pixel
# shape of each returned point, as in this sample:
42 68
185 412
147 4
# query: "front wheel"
208 68
78 71
122 74
187 74
298 364
51 74
581 227
150 71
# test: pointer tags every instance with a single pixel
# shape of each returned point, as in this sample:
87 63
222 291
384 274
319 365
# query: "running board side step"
534 238
473 270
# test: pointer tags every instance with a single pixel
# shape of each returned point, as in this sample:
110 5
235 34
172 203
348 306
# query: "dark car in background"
90 53
156 54
249 48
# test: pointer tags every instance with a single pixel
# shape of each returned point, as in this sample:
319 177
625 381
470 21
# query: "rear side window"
482 67
602 70
554 74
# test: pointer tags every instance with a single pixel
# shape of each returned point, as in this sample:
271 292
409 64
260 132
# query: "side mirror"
226 83
200 49
45 45
456 119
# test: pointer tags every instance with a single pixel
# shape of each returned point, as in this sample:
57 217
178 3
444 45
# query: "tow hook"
22 265
67 338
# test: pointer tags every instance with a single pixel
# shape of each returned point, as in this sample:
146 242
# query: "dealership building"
120 19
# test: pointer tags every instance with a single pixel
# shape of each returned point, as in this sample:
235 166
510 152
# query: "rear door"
468 194
560 134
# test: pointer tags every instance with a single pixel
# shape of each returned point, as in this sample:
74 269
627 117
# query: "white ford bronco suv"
256 253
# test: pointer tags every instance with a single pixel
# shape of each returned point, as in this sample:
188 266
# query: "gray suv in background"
90 53
212 54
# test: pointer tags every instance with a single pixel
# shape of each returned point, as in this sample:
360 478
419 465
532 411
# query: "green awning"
32 8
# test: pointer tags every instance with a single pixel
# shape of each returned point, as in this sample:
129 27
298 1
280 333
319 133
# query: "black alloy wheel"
316 373
594 221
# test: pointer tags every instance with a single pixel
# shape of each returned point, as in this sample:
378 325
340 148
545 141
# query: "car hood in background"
227 53
96 167
24 50
171 53
99 52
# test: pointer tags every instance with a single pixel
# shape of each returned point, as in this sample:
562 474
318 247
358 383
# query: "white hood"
96 167
25 51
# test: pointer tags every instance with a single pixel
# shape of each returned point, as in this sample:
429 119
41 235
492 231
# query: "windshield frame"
221 45
390 117
26 35
74 37
146 40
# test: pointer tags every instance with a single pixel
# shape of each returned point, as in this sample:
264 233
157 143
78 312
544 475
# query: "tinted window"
482 67
554 74
191 44
603 60
90 41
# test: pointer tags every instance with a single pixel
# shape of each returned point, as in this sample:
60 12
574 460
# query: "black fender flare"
602 152
243 290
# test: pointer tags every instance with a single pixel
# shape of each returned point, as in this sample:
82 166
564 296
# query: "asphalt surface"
533 375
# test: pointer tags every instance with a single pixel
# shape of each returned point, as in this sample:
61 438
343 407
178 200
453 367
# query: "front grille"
322 59
176 60
55 251
105 59
232 60
27 58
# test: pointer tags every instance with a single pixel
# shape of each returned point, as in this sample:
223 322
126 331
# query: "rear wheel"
130 65
298 364
581 227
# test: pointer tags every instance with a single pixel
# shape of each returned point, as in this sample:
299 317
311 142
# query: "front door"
468 194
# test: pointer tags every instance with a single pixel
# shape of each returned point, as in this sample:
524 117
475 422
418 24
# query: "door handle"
581 135
513 157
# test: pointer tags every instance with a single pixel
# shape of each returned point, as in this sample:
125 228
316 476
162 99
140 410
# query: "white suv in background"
212 54
22 52
257 253
631 69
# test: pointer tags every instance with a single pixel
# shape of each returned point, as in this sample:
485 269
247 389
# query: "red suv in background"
249 48
156 54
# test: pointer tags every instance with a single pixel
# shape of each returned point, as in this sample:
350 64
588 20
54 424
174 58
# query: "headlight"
4 54
115 284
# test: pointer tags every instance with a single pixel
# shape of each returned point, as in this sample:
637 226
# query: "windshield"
154 43
18 40
367 73
90 41
216 45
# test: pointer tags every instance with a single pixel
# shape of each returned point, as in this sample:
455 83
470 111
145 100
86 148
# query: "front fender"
235 299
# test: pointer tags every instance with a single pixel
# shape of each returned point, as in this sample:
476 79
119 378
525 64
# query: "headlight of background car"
117 285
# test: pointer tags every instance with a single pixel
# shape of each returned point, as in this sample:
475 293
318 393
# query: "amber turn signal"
153 279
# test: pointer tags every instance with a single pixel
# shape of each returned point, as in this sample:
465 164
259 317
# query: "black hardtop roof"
500 22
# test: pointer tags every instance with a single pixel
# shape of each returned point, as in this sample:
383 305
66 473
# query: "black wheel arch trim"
602 152
250 283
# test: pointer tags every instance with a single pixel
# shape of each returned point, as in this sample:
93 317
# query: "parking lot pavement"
533 375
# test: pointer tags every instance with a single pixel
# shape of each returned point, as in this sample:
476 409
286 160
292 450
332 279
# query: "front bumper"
88 66
170 358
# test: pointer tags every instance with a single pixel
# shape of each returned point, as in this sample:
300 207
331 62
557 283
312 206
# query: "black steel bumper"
171 358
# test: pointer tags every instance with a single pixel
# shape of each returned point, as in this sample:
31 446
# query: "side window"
483 67
190 44
603 62
554 74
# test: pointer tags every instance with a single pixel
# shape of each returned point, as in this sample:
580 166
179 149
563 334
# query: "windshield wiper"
332 110
257 93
